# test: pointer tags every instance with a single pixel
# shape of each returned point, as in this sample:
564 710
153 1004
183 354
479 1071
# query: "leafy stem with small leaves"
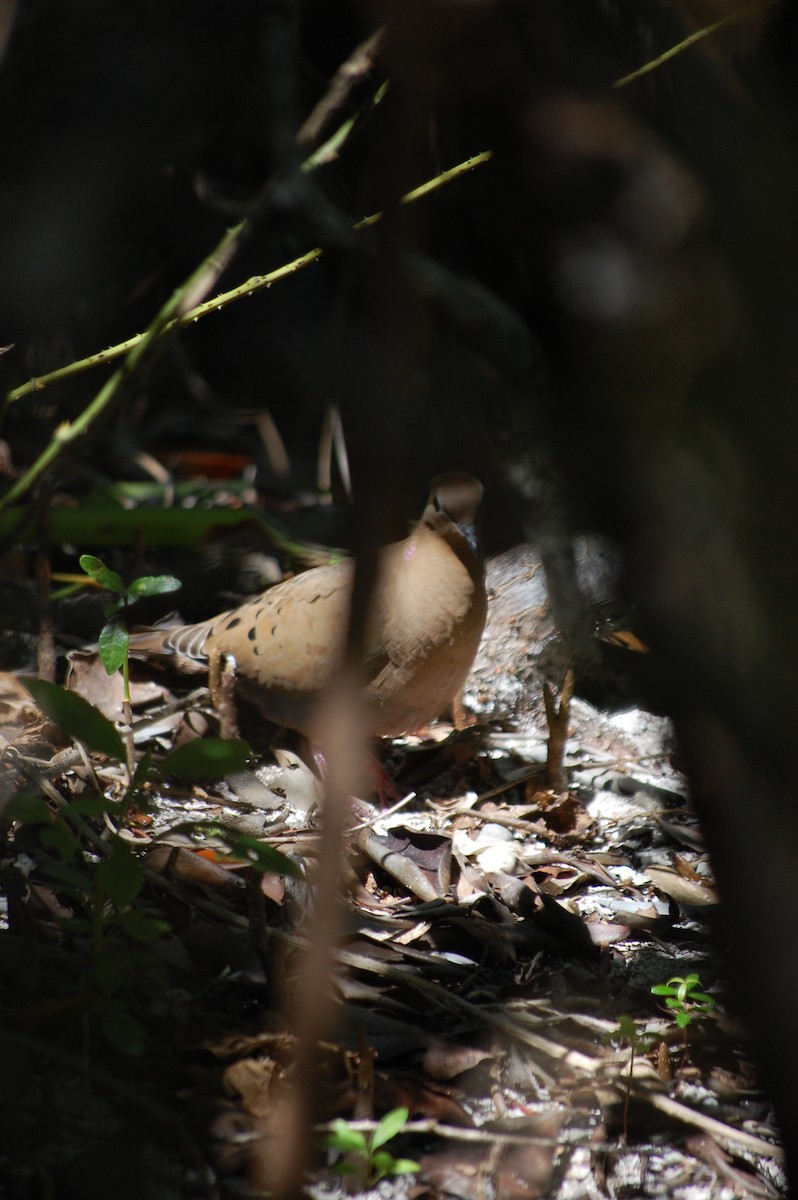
114 640
639 1043
374 1162
684 1001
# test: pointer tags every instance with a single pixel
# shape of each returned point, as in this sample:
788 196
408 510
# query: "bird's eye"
436 504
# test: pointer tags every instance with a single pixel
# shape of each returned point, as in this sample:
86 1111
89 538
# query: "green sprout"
114 637
682 999
114 640
638 1043
374 1162
684 1002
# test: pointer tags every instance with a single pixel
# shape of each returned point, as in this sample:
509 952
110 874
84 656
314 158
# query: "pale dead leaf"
683 891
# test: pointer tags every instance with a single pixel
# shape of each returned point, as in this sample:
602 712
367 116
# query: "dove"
426 616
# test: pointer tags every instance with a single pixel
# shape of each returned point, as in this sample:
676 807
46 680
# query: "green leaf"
382 1164
104 525
112 645
124 1032
97 570
61 840
627 1028
346 1140
120 875
405 1166
142 769
683 1019
80 927
261 856
142 929
91 806
207 758
663 989
67 876
29 808
76 717
242 845
153 585
111 607
389 1126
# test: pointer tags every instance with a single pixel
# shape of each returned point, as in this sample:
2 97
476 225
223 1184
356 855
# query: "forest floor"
497 945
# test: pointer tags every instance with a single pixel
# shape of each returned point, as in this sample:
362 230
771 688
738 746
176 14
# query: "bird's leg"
557 718
221 684
460 718
319 761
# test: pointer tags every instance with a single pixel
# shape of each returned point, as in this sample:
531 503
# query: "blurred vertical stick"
287 1148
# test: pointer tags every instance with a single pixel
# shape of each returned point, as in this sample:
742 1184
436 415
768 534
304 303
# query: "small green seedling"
638 1043
114 640
114 637
683 1000
374 1162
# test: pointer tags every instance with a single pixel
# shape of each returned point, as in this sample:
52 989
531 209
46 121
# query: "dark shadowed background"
600 322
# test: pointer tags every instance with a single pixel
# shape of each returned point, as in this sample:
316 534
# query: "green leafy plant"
114 638
204 758
683 999
684 1002
99 889
101 881
97 883
375 1163
76 717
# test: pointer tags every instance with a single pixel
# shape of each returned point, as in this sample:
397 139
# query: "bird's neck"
424 540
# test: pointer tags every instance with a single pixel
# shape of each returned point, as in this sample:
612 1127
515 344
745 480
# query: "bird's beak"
469 532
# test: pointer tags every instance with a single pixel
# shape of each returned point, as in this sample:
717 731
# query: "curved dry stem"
698 36
200 281
185 306
256 283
